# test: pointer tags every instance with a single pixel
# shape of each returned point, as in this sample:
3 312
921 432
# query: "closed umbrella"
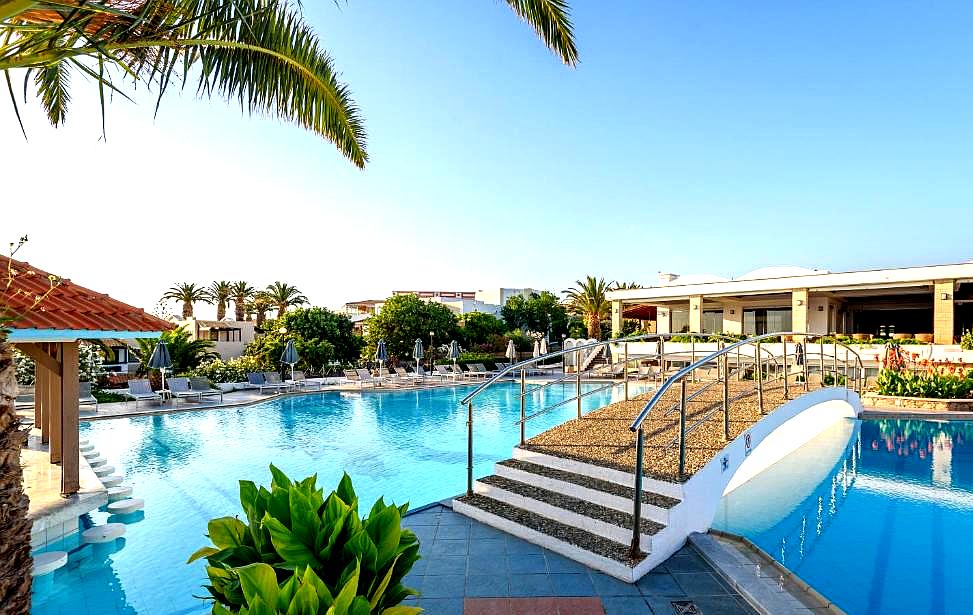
537 349
418 354
544 345
511 352
381 354
161 360
290 356
454 351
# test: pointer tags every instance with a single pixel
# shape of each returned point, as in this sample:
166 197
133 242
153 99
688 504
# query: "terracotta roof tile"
68 306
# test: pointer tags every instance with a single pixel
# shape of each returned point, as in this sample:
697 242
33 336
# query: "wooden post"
55 408
42 396
70 482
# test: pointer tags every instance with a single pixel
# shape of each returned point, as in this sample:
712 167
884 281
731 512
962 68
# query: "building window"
713 321
679 320
759 322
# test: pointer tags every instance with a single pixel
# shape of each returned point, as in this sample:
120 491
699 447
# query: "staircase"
580 510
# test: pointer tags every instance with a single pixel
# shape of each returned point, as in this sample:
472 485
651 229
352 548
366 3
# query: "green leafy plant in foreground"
302 554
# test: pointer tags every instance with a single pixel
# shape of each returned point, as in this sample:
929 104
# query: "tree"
541 312
589 299
403 320
259 52
220 292
260 304
242 293
188 293
283 296
186 353
480 327
320 336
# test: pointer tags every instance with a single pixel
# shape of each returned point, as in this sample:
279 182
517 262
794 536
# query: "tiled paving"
464 561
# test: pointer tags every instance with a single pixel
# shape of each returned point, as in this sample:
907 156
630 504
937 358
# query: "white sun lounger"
141 390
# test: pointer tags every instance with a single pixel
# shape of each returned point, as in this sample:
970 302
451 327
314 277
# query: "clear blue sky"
692 137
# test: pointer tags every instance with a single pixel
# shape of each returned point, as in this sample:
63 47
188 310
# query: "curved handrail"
682 373
563 352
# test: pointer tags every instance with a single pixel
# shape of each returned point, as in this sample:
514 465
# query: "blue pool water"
403 445
876 515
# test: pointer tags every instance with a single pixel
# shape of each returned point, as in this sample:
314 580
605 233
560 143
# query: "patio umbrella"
290 356
454 351
381 354
544 345
161 360
511 352
537 348
417 353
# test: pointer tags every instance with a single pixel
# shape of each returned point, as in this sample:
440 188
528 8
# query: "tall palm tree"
188 293
260 304
242 293
625 285
260 53
588 299
283 295
220 293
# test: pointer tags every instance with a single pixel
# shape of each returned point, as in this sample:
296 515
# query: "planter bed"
918 403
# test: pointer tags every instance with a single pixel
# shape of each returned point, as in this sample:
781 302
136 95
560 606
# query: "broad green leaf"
305 602
279 478
313 580
402 610
249 498
359 606
304 519
384 529
219 609
202 552
290 548
377 507
259 607
279 505
363 549
259 581
342 603
286 591
379 591
346 492
226 532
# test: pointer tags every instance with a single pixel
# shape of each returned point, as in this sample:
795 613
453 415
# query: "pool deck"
468 568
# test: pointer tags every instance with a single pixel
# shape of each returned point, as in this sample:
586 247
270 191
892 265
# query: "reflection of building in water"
942 460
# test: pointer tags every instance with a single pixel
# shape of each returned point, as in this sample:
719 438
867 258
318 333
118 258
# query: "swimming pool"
403 445
876 515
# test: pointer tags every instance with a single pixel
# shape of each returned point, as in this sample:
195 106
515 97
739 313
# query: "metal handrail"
721 357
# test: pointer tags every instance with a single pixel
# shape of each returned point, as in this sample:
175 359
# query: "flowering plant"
904 375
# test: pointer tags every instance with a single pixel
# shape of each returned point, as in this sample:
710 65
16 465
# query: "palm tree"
260 53
260 304
588 299
186 353
625 286
242 293
283 295
188 293
220 292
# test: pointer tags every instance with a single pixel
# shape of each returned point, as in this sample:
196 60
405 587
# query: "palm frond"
52 82
551 21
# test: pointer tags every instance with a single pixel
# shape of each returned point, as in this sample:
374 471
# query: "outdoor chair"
481 369
25 397
405 375
387 376
444 372
301 381
272 381
85 398
202 386
365 377
472 372
141 390
255 380
457 372
179 389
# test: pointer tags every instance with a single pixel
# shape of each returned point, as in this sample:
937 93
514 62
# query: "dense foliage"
966 340
186 353
403 320
231 370
589 299
541 312
301 553
904 375
90 359
480 328
320 336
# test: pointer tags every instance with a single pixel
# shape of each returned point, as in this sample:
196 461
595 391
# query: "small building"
934 301
229 337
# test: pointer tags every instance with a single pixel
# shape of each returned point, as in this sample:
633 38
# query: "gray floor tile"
448 547
685 563
452 518
521 563
659 584
487 563
487 585
453 532
480 531
699 584
442 606
626 605
559 563
421 519
531 585
446 564
443 586
491 546
610 586
572 584
516 545
721 605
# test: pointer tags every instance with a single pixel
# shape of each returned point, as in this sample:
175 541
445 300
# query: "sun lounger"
457 372
272 381
404 375
444 372
471 372
365 377
141 390
202 386
481 368
85 398
301 381
179 389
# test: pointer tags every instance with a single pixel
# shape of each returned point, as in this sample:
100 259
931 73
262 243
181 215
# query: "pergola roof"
640 312
69 310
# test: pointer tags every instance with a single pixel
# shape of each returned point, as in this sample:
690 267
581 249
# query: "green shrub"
232 370
301 553
966 340
937 382
829 380
106 397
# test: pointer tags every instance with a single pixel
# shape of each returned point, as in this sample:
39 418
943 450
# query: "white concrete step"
627 479
103 470
111 481
604 493
566 509
125 507
48 562
119 493
103 533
